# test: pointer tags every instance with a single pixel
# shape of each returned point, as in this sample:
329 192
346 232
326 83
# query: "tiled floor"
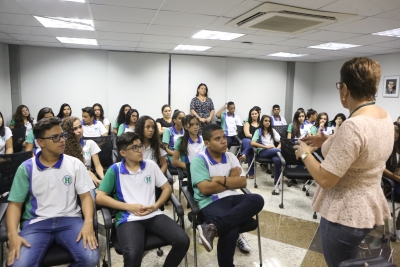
289 236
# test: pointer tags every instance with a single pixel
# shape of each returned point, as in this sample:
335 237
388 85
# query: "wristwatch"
304 155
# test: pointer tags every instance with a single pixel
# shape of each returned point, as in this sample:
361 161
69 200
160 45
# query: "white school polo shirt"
133 188
229 122
148 153
265 140
89 148
203 166
97 129
50 192
193 148
3 139
281 121
170 136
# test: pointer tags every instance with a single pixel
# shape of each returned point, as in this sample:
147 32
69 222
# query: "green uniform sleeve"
256 135
115 124
166 136
20 185
199 171
12 123
108 183
289 128
313 130
121 129
30 138
177 143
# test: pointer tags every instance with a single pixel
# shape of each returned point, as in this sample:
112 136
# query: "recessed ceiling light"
192 47
393 33
282 54
78 1
67 23
216 35
333 46
82 41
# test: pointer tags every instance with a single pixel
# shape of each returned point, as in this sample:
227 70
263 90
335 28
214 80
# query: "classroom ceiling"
160 25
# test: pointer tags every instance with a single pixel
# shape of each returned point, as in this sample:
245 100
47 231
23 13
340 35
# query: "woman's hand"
302 148
202 120
315 141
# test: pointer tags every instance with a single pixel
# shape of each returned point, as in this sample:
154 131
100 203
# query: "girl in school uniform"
99 116
65 112
131 118
336 122
298 128
321 125
121 117
173 133
30 142
6 143
22 118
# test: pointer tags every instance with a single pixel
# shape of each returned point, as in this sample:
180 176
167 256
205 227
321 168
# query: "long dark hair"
341 115
319 118
269 129
175 115
43 112
18 118
60 114
2 127
101 112
154 141
128 116
392 163
296 124
249 119
121 114
72 146
183 146
198 87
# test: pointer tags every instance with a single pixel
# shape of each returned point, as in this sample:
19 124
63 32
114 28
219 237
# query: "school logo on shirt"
147 179
3 139
96 129
67 180
152 156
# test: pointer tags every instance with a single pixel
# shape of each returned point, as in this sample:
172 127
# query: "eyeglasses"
135 148
339 85
57 137
77 127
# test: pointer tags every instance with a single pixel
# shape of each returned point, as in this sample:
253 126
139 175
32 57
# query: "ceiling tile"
149 4
182 19
362 7
309 4
24 30
390 51
9 6
368 25
162 39
211 43
256 52
43 44
183 52
393 14
213 53
308 51
368 39
4 36
171 31
7 41
367 49
328 36
283 35
154 50
298 42
226 50
119 36
117 48
156 45
81 46
243 55
72 33
274 48
113 26
122 14
117 43
242 8
240 45
219 25
392 44
206 7
341 53
56 8
35 38
259 39
18 19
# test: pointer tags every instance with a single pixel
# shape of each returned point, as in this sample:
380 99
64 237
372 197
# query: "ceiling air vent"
286 19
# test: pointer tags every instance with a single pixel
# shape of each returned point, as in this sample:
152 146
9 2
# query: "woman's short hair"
361 76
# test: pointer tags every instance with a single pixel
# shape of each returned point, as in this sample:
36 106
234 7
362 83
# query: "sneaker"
241 243
276 190
268 171
363 244
207 233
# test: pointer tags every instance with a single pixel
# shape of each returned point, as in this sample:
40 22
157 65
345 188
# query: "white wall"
5 86
303 87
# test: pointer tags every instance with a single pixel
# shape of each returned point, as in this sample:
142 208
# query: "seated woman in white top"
65 112
147 130
99 116
188 145
6 143
173 133
31 144
85 150
21 118
321 125
131 118
298 128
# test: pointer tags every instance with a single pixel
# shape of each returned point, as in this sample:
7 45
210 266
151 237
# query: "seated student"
229 120
22 118
258 109
148 135
85 150
250 126
173 133
121 117
31 143
65 112
216 174
321 125
188 145
311 116
129 188
92 128
276 118
301 110
336 122
264 139
166 121
43 200
131 118
99 116
6 142
298 129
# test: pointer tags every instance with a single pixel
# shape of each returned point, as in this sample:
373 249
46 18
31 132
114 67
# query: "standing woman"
298 128
349 196
202 106
22 118
173 133
85 150
321 125
166 121
250 126
131 118
121 117
337 121
149 137
6 143
99 116
30 142
65 112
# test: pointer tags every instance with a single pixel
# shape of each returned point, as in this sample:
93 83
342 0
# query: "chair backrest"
240 131
189 179
106 145
288 152
9 164
18 138
281 129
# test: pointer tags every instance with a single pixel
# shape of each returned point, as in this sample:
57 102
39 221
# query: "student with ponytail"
172 134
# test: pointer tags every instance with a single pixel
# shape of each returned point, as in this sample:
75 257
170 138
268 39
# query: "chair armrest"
107 217
169 177
180 174
245 191
177 205
283 161
238 139
390 181
192 203
3 209
318 157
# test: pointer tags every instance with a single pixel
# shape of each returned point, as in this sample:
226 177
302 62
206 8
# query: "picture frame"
391 86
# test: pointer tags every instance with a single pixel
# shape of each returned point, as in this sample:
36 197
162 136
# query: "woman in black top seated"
166 121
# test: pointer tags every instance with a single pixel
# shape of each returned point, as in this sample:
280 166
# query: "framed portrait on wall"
391 86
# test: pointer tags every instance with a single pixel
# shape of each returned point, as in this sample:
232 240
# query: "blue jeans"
227 214
340 242
230 140
246 146
271 153
63 231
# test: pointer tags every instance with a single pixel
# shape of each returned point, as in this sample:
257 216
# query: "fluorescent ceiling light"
67 23
215 35
282 54
82 41
192 47
78 1
393 33
333 46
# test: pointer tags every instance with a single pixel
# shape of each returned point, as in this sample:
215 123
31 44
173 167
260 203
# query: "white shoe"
276 190
241 243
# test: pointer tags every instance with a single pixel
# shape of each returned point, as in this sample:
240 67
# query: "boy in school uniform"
229 120
45 190
216 175
92 128
276 118
129 187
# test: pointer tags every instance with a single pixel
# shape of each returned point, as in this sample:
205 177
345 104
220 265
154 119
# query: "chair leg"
108 239
1 253
255 176
394 237
277 184
194 240
281 205
259 241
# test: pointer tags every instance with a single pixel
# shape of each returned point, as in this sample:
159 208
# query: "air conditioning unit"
285 19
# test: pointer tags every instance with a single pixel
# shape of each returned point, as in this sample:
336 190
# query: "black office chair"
18 138
188 192
260 160
107 156
388 186
281 129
